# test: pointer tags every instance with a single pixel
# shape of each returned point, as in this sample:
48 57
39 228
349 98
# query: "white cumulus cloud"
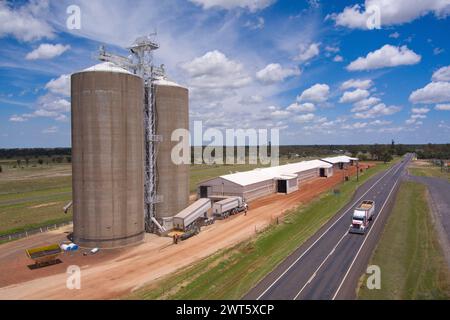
391 12
16 118
354 96
24 23
317 93
47 51
304 118
356 125
380 123
307 52
420 110
434 92
332 49
394 35
387 56
280 114
442 74
365 104
442 107
357 84
60 85
252 5
274 72
378 110
255 25
302 107
215 70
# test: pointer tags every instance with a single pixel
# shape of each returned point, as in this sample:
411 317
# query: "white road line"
320 266
359 250
325 232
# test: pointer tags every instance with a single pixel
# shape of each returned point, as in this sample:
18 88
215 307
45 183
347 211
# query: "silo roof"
165 82
106 67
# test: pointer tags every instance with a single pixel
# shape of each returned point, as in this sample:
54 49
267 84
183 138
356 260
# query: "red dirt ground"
111 274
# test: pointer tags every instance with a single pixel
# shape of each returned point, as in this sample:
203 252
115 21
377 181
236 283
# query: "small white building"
340 162
264 181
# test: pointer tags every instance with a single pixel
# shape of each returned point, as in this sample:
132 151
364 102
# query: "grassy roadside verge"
434 172
408 254
232 272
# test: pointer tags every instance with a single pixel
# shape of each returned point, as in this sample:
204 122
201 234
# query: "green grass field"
33 196
232 272
409 256
430 171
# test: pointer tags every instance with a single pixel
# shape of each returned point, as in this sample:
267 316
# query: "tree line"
363 151
34 152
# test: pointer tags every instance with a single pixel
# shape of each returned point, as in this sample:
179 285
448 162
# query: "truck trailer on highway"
224 208
361 217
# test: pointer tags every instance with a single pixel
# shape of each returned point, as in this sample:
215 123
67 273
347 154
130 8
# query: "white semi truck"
224 208
362 215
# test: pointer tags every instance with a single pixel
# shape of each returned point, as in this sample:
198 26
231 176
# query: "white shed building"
264 181
340 162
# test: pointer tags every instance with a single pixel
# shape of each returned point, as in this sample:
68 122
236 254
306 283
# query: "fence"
30 232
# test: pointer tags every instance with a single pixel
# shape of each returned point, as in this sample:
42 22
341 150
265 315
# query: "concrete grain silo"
172 180
107 157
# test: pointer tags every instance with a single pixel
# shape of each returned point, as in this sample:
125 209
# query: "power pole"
357 170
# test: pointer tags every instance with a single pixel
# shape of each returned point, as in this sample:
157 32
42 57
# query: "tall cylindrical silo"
107 157
172 180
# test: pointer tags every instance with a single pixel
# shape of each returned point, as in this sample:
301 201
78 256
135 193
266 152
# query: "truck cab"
362 216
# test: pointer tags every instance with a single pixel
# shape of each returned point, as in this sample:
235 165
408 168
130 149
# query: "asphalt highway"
329 265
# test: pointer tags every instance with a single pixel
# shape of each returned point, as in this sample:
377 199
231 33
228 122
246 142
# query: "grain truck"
226 207
187 218
361 217
44 255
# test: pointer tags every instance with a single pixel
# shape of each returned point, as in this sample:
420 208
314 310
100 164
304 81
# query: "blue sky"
313 69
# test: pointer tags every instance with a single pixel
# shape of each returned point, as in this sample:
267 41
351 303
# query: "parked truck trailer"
362 216
232 205
186 219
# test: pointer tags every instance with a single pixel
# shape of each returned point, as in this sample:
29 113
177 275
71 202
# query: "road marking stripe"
323 262
372 227
325 232
311 278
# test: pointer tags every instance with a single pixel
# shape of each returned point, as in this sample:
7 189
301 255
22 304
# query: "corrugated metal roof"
264 174
193 207
248 177
338 159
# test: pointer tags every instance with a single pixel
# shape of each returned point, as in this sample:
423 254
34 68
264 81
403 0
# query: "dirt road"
114 273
